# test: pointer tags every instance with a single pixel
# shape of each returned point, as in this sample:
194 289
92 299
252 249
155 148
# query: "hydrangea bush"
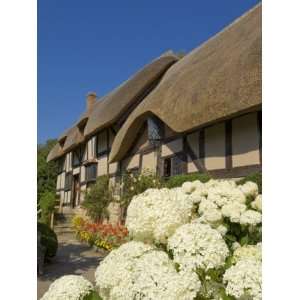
210 229
201 241
69 287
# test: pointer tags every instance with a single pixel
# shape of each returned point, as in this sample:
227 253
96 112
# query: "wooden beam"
228 144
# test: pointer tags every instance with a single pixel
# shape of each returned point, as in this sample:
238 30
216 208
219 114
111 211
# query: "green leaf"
92 296
244 240
230 237
224 296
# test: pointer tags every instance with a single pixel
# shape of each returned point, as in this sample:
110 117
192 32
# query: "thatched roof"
220 78
55 152
111 107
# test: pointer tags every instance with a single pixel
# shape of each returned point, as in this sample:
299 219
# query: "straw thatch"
55 152
216 80
115 104
111 107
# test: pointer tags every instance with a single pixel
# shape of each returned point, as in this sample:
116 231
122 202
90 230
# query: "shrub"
134 184
255 177
178 180
98 198
48 239
105 236
47 205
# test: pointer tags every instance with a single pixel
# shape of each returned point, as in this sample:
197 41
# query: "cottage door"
76 191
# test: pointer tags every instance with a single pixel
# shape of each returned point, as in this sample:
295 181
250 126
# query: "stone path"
72 258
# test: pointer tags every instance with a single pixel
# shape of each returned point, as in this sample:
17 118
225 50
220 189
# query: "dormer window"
155 130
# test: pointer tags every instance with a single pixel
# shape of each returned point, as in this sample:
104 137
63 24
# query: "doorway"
76 191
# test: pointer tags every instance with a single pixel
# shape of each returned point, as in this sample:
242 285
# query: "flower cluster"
155 214
69 287
197 245
139 271
244 279
224 199
248 252
105 236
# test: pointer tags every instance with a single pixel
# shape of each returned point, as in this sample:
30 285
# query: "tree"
46 172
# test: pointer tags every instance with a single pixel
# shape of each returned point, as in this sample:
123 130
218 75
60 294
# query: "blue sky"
95 45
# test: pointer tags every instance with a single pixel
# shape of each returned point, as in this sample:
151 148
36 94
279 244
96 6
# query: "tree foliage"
46 172
98 198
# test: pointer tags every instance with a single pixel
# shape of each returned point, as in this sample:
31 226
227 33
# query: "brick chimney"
90 101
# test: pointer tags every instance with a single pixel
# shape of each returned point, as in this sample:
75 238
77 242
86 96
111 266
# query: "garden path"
72 257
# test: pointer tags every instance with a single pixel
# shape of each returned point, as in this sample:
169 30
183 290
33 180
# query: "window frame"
68 181
92 179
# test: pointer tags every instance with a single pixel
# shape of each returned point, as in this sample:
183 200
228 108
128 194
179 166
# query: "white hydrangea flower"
69 287
116 267
244 279
155 214
250 217
223 194
249 189
235 246
205 205
212 216
148 274
197 245
233 211
222 229
248 251
188 187
257 203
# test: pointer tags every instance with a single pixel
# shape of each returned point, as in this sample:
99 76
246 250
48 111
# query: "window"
61 163
68 181
174 165
91 172
102 143
77 156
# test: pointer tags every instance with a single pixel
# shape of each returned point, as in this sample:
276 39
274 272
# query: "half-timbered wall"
102 165
215 147
245 141
172 147
149 161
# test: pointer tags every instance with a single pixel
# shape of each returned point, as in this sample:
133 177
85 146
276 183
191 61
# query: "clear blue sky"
95 45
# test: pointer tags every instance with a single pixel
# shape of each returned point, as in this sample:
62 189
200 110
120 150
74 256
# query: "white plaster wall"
245 141
102 165
149 161
215 147
113 168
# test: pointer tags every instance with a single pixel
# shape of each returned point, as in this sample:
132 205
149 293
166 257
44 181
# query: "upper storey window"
102 143
77 156
61 164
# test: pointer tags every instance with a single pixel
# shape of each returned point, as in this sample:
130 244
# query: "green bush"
92 296
47 205
255 177
98 198
134 184
178 180
48 239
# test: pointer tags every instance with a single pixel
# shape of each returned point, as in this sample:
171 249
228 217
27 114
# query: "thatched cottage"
198 113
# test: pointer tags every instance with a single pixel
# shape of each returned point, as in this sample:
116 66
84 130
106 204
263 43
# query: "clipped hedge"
48 239
255 177
178 180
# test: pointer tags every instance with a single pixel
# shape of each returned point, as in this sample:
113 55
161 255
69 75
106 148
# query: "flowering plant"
102 235
201 241
70 287
207 229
